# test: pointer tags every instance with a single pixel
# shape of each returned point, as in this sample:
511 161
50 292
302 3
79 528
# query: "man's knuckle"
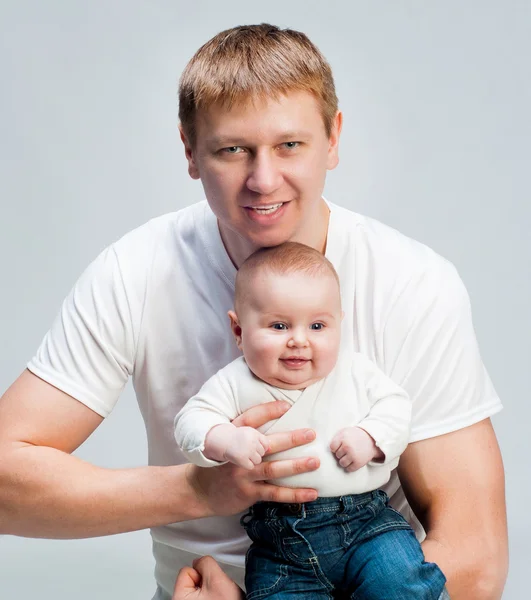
299 466
273 494
268 470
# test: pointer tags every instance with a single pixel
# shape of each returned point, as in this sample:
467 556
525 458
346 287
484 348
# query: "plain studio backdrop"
436 143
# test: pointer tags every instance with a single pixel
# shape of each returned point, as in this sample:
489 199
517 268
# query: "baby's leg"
268 576
392 566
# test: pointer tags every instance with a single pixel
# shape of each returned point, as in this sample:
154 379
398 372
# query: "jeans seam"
397 512
388 527
262 591
347 533
321 510
318 572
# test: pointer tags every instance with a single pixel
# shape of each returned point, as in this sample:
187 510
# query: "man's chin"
268 239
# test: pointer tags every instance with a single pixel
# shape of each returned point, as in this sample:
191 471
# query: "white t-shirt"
356 392
154 306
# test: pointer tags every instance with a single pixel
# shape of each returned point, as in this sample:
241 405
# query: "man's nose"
264 176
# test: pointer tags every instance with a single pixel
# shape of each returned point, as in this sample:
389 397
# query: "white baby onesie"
356 392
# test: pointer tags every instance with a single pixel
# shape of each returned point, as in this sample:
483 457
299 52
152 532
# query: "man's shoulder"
151 254
383 238
390 251
162 231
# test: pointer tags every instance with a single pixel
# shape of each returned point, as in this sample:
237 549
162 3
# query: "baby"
287 323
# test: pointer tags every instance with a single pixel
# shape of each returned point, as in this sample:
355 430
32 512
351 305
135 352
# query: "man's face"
289 327
263 168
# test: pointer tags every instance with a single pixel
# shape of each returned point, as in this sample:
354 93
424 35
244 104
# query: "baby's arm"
204 432
214 405
383 434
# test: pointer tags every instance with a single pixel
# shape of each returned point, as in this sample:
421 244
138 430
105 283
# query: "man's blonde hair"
285 259
254 62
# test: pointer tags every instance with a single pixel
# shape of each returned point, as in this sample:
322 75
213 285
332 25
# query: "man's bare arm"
47 492
455 484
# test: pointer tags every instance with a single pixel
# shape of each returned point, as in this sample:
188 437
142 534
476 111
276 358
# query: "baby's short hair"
289 257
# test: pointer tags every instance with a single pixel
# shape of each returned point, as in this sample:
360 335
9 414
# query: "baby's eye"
279 326
317 326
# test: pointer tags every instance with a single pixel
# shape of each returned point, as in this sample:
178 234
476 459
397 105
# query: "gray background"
436 99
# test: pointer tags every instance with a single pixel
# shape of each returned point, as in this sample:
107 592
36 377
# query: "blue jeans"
356 546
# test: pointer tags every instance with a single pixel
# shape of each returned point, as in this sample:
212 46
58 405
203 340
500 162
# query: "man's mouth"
266 210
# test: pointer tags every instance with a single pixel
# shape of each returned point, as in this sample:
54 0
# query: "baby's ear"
235 327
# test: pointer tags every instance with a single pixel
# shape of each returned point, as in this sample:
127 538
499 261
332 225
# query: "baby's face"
289 328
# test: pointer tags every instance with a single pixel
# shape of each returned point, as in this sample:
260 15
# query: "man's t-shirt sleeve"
433 354
89 351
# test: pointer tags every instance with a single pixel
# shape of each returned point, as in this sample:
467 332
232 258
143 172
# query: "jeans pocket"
296 550
263 577
399 516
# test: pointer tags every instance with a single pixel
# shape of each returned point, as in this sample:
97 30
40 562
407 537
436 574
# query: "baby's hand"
242 446
354 448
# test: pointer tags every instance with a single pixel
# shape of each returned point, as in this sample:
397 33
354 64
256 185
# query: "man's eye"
317 326
279 326
291 145
233 150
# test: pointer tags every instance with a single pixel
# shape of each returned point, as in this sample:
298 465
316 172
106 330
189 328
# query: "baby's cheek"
329 355
260 355
268 345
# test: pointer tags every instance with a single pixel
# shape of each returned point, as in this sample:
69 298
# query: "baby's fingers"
353 467
335 443
248 463
341 451
256 458
263 444
345 462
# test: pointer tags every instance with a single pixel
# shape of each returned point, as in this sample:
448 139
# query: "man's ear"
193 171
333 141
235 327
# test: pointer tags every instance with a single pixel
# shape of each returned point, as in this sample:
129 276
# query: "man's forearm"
47 493
460 501
470 576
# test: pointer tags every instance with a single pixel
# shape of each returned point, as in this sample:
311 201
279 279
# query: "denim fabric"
160 594
357 546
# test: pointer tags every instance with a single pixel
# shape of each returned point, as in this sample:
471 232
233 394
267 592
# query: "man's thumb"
207 567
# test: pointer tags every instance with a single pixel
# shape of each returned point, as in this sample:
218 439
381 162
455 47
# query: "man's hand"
205 581
354 448
249 486
242 446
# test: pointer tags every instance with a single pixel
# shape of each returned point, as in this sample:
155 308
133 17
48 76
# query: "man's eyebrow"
227 141
294 136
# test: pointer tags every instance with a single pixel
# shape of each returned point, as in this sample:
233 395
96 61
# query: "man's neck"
313 233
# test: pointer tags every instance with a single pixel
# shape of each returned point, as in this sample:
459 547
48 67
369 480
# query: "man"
261 127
